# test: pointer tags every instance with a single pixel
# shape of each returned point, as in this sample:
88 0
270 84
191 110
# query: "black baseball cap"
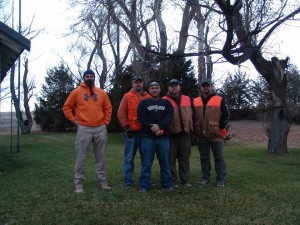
206 80
174 81
137 77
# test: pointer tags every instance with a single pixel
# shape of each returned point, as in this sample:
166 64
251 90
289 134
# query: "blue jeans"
150 147
131 146
217 150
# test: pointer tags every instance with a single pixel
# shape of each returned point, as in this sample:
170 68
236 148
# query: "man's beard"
89 83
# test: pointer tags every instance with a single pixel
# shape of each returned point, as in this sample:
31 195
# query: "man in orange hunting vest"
211 115
180 131
127 115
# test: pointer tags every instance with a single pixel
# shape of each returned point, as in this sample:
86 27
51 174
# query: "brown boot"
79 188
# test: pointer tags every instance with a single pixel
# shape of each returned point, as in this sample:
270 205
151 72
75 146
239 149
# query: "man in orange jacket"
127 115
92 113
180 130
211 115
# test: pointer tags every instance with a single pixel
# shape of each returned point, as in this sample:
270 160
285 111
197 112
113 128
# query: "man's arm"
123 113
168 116
107 109
143 116
225 114
69 106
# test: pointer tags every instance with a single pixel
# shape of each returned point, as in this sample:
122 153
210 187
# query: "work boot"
187 184
203 182
221 184
143 190
79 188
104 186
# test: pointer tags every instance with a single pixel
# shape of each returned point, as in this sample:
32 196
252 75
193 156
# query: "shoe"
143 190
175 186
79 188
221 184
128 186
104 186
187 184
203 182
170 188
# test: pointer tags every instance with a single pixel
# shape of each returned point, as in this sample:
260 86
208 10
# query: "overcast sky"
47 48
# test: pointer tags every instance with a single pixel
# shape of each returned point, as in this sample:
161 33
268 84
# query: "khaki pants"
85 136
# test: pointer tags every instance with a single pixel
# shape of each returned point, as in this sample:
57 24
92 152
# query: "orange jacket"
88 110
208 125
127 112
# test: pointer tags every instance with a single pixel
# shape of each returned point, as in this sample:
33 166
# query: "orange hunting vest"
208 125
186 114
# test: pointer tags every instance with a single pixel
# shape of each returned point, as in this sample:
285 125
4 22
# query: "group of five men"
154 125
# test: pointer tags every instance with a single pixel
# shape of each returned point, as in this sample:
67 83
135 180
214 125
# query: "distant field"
7 119
240 131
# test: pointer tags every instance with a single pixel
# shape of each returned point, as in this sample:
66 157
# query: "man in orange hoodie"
127 115
89 108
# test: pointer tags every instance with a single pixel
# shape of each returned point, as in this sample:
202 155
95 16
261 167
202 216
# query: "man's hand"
223 133
159 132
154 128
75 123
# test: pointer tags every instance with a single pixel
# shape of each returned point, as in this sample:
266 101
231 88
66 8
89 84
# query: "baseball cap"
154 83
137 77
174 81
206 80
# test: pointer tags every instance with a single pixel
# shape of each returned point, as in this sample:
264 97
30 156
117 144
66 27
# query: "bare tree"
237 31
25 123
27 86
246 33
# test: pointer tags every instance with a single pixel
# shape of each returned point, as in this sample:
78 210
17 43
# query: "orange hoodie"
88 110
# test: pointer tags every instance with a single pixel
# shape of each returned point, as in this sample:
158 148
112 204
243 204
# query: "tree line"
109 35
246 98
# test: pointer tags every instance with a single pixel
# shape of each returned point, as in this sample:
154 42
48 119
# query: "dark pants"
217 150
180 149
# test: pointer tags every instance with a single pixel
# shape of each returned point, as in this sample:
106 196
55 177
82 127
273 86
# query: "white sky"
46 49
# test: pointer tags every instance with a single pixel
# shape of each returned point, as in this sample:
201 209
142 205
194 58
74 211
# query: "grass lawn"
36 187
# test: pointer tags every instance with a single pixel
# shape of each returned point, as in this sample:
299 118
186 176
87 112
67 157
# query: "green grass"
36 187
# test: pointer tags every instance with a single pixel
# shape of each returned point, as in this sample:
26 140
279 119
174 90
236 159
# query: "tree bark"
25 125
278 130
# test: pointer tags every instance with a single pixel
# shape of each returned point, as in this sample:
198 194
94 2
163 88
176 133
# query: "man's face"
137 85
206 88
89 80
154 91
174 89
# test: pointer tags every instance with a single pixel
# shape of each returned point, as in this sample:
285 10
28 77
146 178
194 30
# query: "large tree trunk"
279 120
278 130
